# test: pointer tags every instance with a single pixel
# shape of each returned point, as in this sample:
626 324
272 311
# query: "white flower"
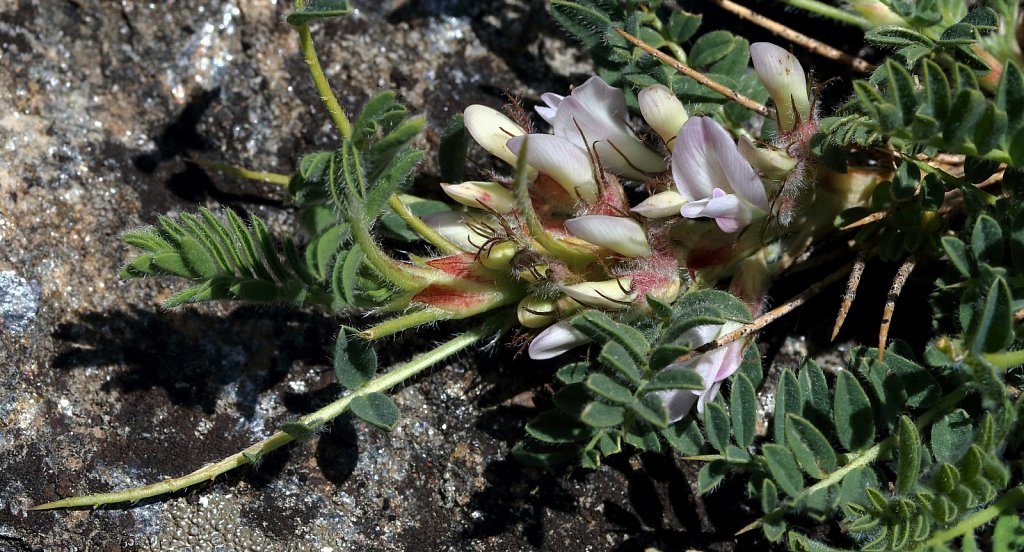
713 177
555 340
663 111
491 195
492 129
773 163
660 205
562 160
713 367
783 76
594 116
608 295
622 235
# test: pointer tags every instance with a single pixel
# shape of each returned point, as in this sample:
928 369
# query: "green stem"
404 322
320 80
402 275
378 384
242 172
833 12
1012 500
417 225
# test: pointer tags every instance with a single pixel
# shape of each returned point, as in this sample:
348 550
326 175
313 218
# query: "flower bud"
562 160
452 227
555 340
773 163
877 13
660 205
537 312
498 256
609 294
490 195
663 111
622 235
783 76
492 129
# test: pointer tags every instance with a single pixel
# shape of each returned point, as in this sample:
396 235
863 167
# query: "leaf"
599 414
963 116
297 430
665 355
1008 533
615 356
787 401
573 373
909 449
716 424
1010 96
674 378
992 329
651 409
710 475
743 408
601 328
392 180
951 436
784 469
606 387
816 399
355 360
854 421
810 447
684 436
643 437
682 25
901 86
552 426
588 23
376 409
956 250
318 9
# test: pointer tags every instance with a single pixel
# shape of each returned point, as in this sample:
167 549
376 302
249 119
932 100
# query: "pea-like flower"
783 76
713 177
663 111
713 367
622 235
555 340
594 116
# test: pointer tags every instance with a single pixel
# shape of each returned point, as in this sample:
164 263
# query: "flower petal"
555 340
696 169
771 162
491 195
562 160
492 129
550 107
783 76
663 111
741 177
660 205
678 402
608 295
452 227
622 235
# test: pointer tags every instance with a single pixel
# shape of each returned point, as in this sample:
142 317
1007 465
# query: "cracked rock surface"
102 103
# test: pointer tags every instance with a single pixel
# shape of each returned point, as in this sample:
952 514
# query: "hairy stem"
417 225
242 172
320 79
1009 502
380 383
404 322
832 12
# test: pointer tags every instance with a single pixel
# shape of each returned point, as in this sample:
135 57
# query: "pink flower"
713 177
593 116
713 367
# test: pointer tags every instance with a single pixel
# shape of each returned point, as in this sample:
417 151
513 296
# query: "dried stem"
704 80
851 292
812 45
770 316
890 304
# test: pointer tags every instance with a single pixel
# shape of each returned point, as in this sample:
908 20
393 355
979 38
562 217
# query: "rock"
104 390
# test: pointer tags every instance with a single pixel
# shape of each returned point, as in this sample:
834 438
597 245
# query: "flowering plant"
655 252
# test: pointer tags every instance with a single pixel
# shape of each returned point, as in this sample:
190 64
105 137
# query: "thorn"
851 293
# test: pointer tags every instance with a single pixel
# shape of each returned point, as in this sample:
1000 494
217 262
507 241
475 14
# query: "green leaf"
601 328
651 409
606 387
989 130
674 378
963 116
318 9
588 23
936 90
1008 533
552 426
908 448
573 373
355 360
172 263
1010 96
784 469
716 424
684 436
682 25
815 394
956 250
392 179
788 400
951 436
743 408
599 414
642 436
615 356
710 475
992 329
664 355
854 421
376 409
810 447
901 86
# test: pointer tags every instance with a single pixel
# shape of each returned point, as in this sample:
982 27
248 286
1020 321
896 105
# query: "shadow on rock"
193 356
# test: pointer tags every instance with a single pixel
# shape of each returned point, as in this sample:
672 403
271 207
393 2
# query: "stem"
379 384
1012 500
812 45
833 12
404 322
417 225
399 274
242 172
320 80
701 78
